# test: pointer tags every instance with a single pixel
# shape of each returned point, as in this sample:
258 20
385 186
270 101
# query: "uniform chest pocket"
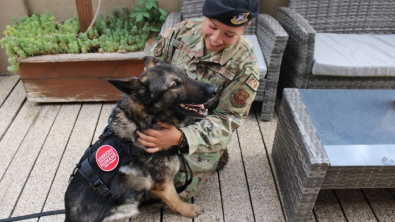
182 54
219 76
180 58
215 75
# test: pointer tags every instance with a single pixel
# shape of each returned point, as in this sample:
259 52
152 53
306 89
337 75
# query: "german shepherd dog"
161 93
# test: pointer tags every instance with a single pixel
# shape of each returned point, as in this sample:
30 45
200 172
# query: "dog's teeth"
182 105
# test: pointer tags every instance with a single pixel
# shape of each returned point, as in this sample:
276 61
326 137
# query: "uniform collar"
195 43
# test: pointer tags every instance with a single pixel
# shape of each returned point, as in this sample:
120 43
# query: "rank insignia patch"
240 18
252 82
239 99
159 47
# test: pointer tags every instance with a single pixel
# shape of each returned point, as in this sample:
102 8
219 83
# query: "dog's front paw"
191 210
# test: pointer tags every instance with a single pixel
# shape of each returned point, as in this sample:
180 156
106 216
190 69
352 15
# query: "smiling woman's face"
218 36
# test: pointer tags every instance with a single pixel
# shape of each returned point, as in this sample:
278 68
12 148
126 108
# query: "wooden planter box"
77 77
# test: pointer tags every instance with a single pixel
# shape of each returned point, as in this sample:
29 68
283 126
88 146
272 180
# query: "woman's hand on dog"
156 140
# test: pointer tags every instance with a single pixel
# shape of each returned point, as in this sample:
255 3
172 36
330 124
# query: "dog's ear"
151 61
132 86
127 85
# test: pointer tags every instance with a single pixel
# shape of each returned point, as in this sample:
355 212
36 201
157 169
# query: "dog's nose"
212 91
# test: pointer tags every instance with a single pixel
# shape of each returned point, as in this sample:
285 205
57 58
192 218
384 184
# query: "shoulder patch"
239 98
159 47
252 82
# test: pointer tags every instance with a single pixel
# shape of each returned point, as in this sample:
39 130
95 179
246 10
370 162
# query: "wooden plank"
10 108
103 120
85 13
17 173
327 207
40 179
80 140
169 215
76 81
235 195
264 197
354 205
81 69
70 81
210 200
148 214
7 84
71 90
15 134
268 128
106 56
382 203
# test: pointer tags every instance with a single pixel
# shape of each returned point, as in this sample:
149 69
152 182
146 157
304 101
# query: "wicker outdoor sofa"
272 40
303 19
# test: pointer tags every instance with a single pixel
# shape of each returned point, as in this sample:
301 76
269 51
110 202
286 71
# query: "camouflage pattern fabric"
234 71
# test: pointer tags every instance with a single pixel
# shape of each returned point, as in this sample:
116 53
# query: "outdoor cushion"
354 55
259 55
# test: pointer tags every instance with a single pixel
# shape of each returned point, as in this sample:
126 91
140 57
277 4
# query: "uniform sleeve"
160 50
163 48
214 132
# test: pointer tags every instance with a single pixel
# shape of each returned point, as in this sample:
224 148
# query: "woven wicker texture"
350 16
299 158
303 168
304 18
359 177
272 40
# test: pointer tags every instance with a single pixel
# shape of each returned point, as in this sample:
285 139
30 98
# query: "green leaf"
146 14
139 17
10 29
132 14
154 29
141 2
163 11
149 4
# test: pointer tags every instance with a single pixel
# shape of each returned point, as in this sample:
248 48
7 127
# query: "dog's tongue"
201 106
196 110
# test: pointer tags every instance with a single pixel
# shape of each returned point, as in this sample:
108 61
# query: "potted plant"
58 63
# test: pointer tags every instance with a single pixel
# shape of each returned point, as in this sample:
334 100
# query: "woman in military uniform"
211 49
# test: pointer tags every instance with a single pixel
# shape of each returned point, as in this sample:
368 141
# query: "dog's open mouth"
193 110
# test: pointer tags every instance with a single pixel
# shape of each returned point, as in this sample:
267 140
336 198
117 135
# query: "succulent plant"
125 31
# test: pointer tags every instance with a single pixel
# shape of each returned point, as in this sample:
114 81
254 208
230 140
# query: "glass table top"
356 127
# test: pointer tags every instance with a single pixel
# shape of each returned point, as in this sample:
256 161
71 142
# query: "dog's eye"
175 86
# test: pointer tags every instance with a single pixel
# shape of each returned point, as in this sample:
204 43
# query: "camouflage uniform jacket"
233 70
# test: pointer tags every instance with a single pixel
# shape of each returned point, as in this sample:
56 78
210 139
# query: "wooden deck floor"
41 143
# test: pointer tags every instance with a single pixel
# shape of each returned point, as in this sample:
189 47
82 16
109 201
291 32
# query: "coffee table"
332 139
